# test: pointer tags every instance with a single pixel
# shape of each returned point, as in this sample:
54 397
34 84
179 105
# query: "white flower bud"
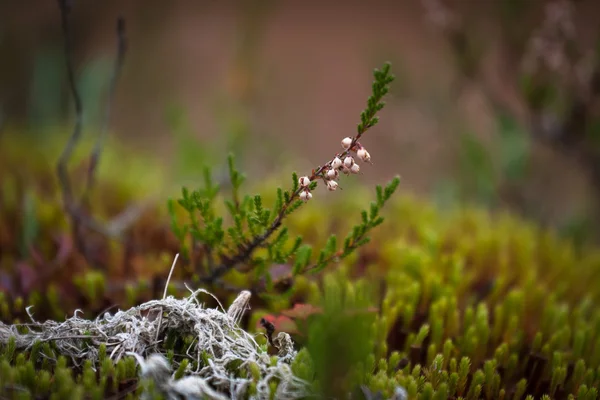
355 169
346 143
364 155
305 195
304 181
348 162
333 173
345 170
336 163
332 185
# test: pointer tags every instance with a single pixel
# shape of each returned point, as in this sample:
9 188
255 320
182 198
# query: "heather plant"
256 237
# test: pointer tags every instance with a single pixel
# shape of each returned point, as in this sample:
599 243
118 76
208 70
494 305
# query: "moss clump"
471 306
28 377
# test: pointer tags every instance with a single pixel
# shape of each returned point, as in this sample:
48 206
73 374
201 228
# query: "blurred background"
495 101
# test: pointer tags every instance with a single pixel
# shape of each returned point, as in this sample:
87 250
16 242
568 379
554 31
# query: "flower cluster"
344 163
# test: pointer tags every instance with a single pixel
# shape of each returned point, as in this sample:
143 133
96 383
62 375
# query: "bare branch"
118 66
76 212
63 175
65 9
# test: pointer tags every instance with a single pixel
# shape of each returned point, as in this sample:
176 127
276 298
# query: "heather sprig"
344 162
256 238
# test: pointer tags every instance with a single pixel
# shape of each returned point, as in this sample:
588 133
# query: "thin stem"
75 211
118 66
63 175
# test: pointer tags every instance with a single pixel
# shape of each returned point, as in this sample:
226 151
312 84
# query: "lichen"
154 334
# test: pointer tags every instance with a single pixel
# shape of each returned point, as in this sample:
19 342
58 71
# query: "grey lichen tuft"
156 368
218 360
285 346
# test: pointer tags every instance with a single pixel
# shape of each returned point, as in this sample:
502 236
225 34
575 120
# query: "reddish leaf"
281 323
302 311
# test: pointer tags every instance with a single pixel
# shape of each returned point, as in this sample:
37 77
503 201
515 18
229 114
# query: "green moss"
477 306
